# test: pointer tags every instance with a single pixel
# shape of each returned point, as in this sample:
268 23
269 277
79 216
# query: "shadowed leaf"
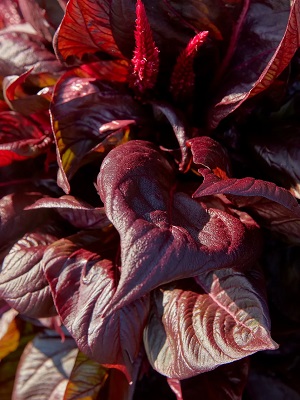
45 367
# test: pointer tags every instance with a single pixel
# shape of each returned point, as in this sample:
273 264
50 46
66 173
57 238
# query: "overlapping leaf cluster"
135 229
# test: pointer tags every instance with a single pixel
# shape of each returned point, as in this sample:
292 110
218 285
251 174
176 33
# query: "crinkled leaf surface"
85 28
20 51
194 331
163 231
83 283
9 332
45 368
22 281
86 379
80 108
260 54
79 213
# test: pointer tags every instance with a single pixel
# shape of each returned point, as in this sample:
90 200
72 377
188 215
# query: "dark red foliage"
144 240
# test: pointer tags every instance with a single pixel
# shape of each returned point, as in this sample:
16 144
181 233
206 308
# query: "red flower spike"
183 76
145 62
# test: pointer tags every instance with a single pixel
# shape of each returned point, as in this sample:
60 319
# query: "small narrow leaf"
210 154
77 212
146 55
183 75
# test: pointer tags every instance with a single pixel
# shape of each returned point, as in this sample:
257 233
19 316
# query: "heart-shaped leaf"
162 231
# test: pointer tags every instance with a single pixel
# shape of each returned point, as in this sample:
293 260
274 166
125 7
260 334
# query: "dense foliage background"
149 186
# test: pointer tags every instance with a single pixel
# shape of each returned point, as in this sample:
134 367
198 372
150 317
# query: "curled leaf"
194 331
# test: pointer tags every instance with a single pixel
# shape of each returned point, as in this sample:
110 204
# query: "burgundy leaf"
210 154
80 108
21 136
108 70
85 28
162 231
45 367
261 53
146 55
77 212
12 86
180 130
14 220
21 51
274 206
22 281
183 76
193 331
83 284
34 105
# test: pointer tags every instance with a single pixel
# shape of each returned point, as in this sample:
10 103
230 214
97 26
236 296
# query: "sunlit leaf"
191 331
9 332
86 29
86 379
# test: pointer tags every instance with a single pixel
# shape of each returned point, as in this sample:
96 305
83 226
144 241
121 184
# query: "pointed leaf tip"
145 61
183 76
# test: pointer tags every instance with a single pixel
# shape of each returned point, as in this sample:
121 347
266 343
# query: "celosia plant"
137 233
